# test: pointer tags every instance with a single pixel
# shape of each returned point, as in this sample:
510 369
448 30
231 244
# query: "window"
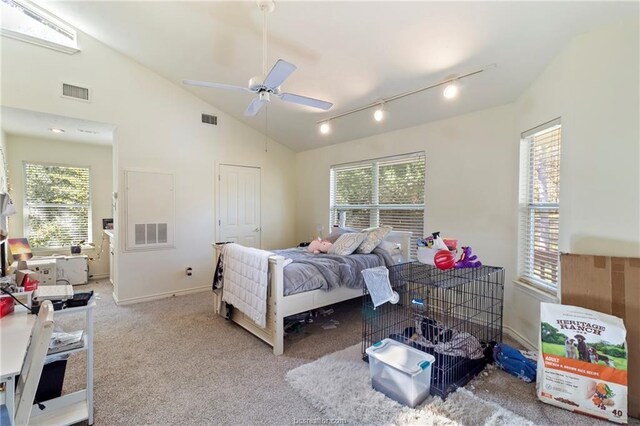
28 22
386 191
57 205
540 205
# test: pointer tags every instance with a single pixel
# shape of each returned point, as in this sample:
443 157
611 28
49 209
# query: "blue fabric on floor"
513 362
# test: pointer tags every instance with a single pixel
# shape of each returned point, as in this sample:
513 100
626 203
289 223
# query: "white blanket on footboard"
245 278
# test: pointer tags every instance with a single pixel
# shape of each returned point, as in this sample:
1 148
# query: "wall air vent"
210 119
78 93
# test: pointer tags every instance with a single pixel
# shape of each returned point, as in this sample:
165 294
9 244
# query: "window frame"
26 206
375 208
52 21
528 207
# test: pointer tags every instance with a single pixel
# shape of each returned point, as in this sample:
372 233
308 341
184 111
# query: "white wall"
593 86
96 157
158 128
3 160
471 181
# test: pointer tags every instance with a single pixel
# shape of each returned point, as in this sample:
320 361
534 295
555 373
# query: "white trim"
549 125
164 295
38 41
533 291
519 338
98 277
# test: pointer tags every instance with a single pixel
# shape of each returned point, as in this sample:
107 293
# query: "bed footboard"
273 333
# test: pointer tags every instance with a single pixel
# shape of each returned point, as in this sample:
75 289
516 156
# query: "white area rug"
339 385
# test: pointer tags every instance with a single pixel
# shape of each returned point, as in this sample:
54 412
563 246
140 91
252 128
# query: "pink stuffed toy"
467 260
319 246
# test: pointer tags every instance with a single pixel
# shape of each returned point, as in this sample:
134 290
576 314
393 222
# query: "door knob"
256 230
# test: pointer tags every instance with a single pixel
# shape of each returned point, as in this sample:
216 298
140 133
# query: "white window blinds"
540 205
386 191
57 205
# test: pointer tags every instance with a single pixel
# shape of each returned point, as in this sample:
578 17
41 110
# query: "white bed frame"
280 306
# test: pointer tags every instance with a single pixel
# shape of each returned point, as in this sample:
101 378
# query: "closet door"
239 205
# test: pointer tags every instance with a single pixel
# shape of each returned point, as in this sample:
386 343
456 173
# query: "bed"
280 306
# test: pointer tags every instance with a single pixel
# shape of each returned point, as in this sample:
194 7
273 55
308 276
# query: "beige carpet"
339 385
172 362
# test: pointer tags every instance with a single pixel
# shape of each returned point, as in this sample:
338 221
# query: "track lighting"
325 128
378 115
55 130
450 91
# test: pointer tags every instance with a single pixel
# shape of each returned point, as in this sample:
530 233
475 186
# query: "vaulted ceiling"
349 53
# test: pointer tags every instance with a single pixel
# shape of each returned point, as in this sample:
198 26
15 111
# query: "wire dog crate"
455 315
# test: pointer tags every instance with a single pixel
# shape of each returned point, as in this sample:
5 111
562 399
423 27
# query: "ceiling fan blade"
214 85
279 73
303 100
254 107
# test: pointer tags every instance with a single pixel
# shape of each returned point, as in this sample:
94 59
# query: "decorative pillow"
347 243
374 236
337 231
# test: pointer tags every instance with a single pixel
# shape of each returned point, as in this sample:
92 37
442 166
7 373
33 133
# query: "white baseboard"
98 277
157 296
519 338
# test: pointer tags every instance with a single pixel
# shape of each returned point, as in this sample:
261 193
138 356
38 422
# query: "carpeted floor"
173 362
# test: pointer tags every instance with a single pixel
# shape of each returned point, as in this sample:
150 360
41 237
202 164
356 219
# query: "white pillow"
347 243
374 236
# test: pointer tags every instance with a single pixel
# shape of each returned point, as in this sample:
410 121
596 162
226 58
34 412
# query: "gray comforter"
309 271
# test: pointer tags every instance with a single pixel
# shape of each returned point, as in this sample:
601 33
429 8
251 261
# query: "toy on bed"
467 260
319 246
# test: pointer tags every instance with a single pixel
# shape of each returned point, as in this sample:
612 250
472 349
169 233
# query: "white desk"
15 331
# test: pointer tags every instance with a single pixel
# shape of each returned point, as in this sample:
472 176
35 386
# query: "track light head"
450 91
378 115
325 128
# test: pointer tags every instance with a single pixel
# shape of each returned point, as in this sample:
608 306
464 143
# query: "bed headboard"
404 239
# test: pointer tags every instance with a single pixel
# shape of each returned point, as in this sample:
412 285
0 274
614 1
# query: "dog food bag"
582 361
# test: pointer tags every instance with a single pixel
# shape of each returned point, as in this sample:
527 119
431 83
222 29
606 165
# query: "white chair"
27 384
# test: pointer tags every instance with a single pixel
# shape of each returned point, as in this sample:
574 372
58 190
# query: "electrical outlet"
189 271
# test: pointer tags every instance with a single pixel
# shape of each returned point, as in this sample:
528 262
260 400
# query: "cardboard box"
610 285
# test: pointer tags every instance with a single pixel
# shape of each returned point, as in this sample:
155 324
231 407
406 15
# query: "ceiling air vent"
210 119
70 91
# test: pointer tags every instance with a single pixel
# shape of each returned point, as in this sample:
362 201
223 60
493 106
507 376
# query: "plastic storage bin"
399 371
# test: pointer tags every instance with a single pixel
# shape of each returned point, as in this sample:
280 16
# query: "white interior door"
239 205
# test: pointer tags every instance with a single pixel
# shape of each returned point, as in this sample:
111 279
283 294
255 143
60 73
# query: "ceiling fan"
266 85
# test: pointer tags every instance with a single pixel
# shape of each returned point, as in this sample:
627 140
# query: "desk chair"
32 367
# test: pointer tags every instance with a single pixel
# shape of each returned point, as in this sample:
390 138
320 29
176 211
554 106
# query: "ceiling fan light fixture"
450 91
325 128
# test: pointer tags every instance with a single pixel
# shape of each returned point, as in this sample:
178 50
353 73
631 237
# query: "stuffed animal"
467 260
319 246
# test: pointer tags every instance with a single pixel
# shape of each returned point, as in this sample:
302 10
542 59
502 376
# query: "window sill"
541 293
62 251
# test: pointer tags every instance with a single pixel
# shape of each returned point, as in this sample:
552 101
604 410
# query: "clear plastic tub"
400 372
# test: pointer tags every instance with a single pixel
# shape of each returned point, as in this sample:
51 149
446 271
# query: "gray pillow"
373 237
337 231
347 243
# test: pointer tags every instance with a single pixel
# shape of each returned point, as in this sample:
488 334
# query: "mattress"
308 271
